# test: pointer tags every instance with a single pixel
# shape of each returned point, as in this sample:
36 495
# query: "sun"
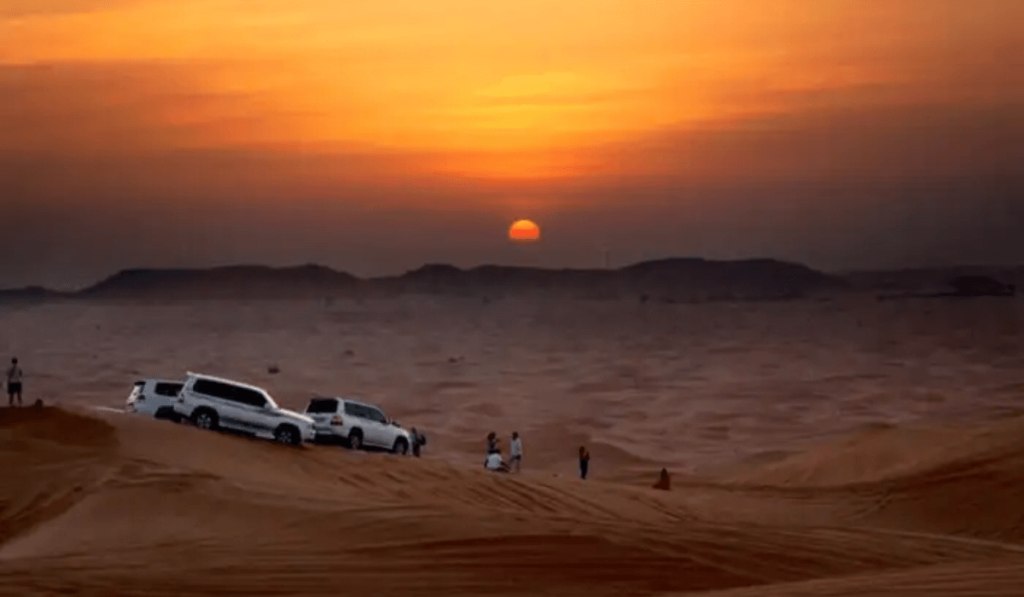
524 231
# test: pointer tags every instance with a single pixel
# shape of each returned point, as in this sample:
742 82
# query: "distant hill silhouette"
980 286
31 294
666 280
240 281
976 280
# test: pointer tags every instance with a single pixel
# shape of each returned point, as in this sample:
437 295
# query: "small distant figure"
664 482
584 462
515 451
495 464
492 443
418 440
14 375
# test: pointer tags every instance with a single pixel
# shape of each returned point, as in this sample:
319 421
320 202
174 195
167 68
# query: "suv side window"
354 410
229 392
212 388
250 397
167 389
375 415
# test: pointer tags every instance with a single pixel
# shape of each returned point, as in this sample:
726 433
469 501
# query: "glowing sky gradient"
375 136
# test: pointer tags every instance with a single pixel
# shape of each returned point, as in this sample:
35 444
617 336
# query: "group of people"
14 375
495 463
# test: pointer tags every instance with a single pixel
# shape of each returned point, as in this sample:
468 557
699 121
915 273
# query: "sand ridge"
148 510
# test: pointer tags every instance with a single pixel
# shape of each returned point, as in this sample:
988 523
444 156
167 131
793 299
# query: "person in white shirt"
515 451
495 464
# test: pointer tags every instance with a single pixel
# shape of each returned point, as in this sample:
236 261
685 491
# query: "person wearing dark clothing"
492 443
584 462
664 481
14 375
418 439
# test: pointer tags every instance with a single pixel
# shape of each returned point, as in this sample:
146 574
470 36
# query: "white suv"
213 403
359 424
154 397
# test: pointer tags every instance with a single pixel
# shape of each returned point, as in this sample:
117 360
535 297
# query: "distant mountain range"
666 280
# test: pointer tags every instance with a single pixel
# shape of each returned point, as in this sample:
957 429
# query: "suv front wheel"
205 418
401 447
287 434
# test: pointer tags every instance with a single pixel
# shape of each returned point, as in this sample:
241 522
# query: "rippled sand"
817 448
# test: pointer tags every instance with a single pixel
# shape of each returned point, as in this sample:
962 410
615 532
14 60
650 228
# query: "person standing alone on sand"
14 375
664 481
584 462
515 451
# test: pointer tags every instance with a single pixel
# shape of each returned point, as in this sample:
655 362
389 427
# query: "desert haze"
842 447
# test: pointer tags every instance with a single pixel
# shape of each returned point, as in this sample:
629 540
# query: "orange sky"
499 96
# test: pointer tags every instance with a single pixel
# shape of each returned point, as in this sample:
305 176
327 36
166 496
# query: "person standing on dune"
664 481
492 443
584 462
515 451
14 375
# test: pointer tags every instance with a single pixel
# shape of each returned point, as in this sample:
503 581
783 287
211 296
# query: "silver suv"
359 424
155 397
215 403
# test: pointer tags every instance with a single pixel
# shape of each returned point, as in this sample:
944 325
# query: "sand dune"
112 504
816 449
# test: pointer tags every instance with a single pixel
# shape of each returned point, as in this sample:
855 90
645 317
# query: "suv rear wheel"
205 418
355 439
401 446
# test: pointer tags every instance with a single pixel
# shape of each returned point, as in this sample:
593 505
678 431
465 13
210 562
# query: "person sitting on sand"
515 451
14 375
584 462
664 482
495 464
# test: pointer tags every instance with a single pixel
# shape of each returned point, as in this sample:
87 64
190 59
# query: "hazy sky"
374 136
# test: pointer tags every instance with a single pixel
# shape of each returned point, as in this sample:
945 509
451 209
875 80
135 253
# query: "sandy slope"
113 505
817 449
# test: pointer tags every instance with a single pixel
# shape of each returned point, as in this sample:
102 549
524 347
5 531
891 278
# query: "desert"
698 298
816 447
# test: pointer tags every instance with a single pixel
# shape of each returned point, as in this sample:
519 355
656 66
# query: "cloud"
13 9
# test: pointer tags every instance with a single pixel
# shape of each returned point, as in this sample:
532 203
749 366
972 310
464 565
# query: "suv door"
224 399
377 428
252 406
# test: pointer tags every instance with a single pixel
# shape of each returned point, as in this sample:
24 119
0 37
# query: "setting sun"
524 231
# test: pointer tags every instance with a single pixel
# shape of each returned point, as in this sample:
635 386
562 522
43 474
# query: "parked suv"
215 403
155 397
361 425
